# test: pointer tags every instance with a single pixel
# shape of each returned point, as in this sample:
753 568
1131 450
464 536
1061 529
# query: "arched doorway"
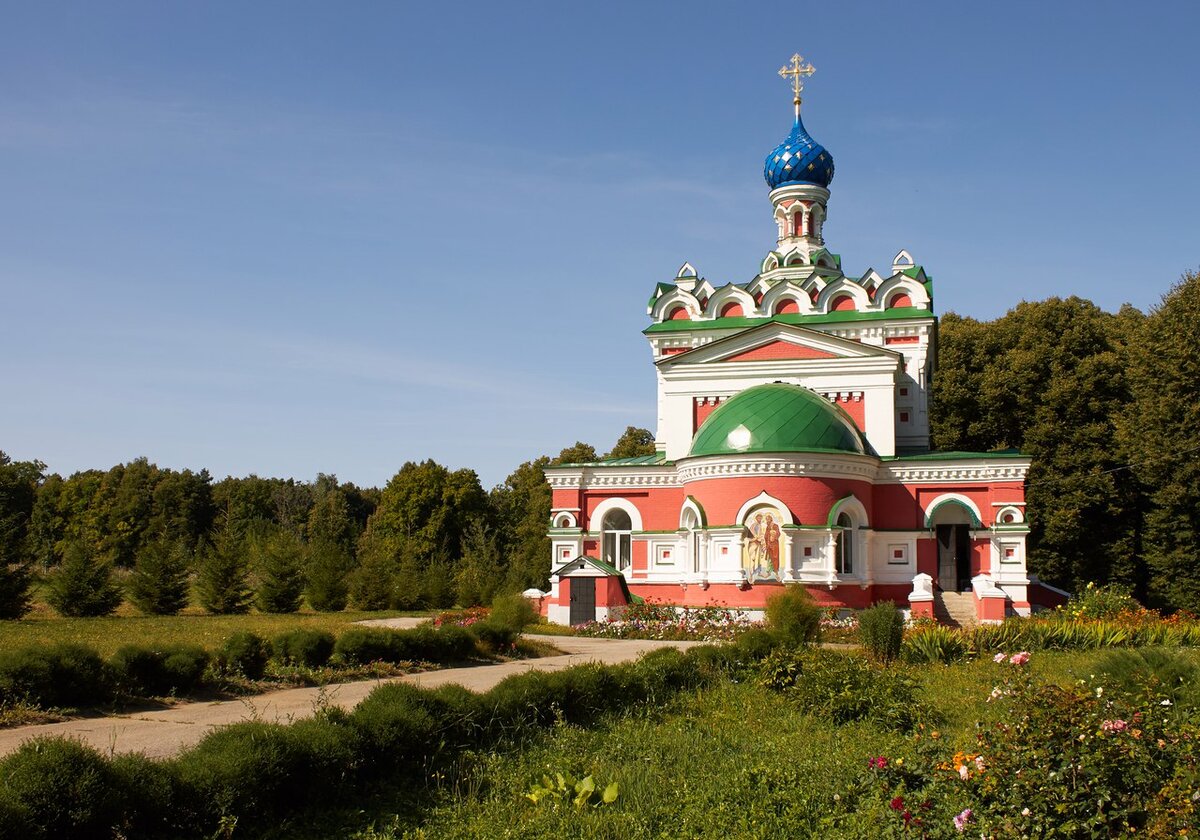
951 522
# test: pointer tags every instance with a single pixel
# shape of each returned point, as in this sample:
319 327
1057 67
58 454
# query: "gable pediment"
778 342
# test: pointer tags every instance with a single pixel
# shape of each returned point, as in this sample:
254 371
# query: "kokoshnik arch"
793 443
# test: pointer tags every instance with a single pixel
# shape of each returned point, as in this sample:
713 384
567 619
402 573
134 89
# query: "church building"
792 445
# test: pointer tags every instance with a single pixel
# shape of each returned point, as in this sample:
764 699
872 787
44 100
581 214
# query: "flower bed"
662 621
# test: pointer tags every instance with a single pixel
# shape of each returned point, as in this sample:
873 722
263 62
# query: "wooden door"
583 600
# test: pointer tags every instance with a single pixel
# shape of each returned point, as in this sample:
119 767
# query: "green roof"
777 418
658 459
798 319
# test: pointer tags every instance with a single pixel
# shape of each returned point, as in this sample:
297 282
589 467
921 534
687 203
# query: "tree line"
162 538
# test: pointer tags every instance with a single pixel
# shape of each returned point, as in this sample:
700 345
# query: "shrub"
327 586
843 687
148 789
881 629
396 724
158 584
1099 602
311 648
794 616
933 643
362 645
15 580
245 653
82 585
514 612
59 675
280 567
493 638
61 788
756 643
157 672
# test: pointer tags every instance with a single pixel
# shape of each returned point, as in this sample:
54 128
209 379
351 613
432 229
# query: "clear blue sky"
291 237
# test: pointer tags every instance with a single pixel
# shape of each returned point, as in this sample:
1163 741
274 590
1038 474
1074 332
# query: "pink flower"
1114 726
878 763
979 763
999 657
964 772
897 804
1019 658
960 822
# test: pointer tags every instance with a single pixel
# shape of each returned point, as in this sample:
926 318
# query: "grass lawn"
732 761
109 633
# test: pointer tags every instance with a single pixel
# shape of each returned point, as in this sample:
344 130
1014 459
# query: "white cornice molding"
616 477
932 472
803 464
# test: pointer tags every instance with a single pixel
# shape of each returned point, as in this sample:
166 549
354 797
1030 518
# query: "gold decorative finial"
797 71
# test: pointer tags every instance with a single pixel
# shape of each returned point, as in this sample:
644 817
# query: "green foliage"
881 629
222 574
327 584
373 582
19 481
1161 432
279 564
479 571
632 443
158 672
15 583
1111 601
60 788
582 793
794 616
521 508
933 643
244 653
83 585
311 648
59 675
843 687
363 645
158 584
1151 675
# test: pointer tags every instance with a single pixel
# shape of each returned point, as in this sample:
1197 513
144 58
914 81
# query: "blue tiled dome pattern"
799 159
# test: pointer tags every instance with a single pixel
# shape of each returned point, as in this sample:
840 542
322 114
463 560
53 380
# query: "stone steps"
956 609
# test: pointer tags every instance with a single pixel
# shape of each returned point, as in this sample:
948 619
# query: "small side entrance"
583 599
954 557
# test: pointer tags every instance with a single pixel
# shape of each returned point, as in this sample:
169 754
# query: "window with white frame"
844 544
617 539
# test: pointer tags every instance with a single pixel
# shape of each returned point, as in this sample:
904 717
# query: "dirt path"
162 733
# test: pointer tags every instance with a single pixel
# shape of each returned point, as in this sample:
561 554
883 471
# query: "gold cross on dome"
797 71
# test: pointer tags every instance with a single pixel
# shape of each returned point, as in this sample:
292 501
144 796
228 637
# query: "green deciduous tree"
83 584
632 443
521 507
159 582
1161 432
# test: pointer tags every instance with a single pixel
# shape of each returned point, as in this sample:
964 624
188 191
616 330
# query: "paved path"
161 733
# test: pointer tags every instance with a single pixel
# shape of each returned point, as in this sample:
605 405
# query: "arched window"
691 524
679 313
617 539
732 310
842 303
845 545
787 306
798 224
898 300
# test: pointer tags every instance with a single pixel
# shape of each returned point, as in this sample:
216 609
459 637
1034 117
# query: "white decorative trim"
565 519
763 499
624 477
616 503
932 472
957 498
863 467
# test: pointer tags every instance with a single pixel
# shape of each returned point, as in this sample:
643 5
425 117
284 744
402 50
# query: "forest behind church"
1107 405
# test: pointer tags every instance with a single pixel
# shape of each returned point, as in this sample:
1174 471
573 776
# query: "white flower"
1165 703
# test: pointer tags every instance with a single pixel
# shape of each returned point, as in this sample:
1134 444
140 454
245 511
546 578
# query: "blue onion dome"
799 159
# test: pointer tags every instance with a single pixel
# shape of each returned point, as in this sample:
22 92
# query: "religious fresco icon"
760 544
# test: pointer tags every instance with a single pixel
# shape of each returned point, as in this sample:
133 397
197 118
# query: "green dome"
777 418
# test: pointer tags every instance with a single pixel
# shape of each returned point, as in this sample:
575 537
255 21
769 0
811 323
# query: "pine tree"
159 582
83 585
222 572
280 568
479 572
371 585
329 567
15 580
437 584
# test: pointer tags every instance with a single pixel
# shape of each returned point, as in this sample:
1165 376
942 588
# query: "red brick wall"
809 499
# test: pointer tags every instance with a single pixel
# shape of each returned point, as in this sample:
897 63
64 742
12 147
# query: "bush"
933 643
148 788
158 672
159 582
881 629
362 645
514 612
843 687
82 585
794 616
15 580
396 724
245 653
59 675
311 648
1099 602
61 788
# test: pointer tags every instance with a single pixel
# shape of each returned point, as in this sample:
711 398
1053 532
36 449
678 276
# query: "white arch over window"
691 515
686 270
1010 515
900 283
795 258
843 286
953 499
903 259
564 519
615 503
786 291
770 262
851 507
676 297
730 294
765 499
